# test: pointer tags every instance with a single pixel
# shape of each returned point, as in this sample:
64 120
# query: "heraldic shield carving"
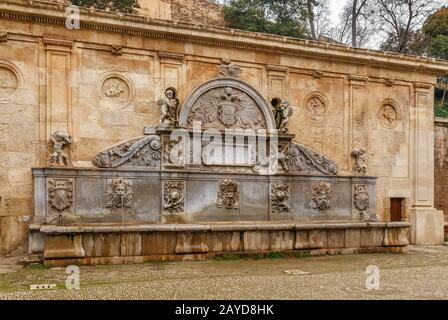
227 104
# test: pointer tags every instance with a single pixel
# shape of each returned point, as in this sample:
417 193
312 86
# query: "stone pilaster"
427 222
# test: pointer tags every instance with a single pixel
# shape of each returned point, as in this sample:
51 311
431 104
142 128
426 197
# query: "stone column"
427 222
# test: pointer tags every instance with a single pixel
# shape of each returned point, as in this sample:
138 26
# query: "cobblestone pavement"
421 273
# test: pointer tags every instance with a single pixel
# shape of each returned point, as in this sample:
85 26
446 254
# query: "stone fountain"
221 173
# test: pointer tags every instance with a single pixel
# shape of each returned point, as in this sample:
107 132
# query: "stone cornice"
50 13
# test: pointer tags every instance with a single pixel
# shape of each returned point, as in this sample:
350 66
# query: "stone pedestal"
427 226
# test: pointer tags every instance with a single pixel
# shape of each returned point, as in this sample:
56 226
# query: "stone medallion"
10 80
316 105
115 92
389 114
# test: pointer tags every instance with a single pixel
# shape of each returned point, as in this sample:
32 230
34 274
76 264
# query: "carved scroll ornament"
143 152
295 157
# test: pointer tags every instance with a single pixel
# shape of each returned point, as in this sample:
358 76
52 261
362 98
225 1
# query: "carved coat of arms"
227 107
60 194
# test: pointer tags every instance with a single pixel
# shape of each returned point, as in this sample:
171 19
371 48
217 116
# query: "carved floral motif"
228 195
361 199
223 108
119 193
280 198
321 196
174 196
143 152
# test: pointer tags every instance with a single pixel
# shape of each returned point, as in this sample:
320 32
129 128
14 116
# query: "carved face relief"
115 92
174 196
8 82
280 198
226 108
321 196
361 199
228 195
119 193
316 108
60 194
389 115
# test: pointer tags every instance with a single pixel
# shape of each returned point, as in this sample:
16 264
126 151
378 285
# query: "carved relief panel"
361 201
226 107
321 196
280 198
115 91
119 193
389 114
316 107
174 196
60 202
228 194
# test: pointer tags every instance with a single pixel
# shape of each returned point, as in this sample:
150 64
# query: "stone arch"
262 105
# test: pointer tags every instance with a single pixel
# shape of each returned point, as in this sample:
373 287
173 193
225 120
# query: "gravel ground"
421 273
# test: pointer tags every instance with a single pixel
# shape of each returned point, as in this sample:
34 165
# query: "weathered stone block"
317 239
281 240
256 240
225 242
352 238
159 243
311 239
111 245
88 244
301 240
372 237
335 238
192 242
63 247
396 237
131 244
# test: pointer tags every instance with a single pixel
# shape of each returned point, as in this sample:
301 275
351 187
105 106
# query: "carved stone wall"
65 72
441 165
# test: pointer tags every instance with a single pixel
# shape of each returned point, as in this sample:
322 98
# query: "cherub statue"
168 108
361 162
282 112
59 157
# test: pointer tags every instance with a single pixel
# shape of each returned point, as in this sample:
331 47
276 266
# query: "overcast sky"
335 9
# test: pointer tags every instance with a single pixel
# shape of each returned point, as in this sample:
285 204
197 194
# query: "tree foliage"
280 17
124 6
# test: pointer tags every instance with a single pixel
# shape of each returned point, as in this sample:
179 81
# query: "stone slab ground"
420 273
